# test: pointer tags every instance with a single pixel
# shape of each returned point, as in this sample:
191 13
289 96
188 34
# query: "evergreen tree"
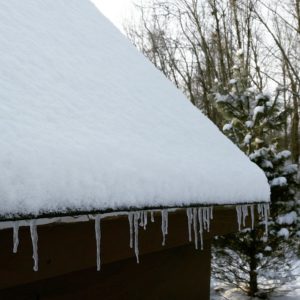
253 121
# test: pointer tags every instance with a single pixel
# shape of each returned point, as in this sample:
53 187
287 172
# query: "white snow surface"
283 232
247 139
240 52
283 154
279 181
258 110
249 124
232 81
288 219
227 127
290 169
88 123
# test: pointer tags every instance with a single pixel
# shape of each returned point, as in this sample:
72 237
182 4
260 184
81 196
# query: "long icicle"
145 219
190 221
130 220
152 216
239 216
208 219
259 209
252 216
16 237
166 221
244 214
204 216
195 226
200 227
163 227
34 239
266 208
136 236
98 240
142 218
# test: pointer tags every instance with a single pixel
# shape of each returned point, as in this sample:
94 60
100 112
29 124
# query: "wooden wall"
67 259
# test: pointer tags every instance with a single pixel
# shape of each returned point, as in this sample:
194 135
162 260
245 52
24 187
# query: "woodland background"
238 61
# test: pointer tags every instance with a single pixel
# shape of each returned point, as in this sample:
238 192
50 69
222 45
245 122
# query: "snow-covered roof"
87 123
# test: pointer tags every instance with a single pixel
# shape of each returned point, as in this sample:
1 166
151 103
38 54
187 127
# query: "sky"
115 10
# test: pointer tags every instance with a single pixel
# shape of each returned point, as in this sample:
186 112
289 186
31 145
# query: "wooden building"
94 141
67 259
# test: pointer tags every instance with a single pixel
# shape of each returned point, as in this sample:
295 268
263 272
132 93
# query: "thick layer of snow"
88 123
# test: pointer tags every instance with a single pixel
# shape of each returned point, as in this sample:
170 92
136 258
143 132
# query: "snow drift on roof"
88 123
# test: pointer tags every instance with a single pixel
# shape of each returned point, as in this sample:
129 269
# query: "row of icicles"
198 221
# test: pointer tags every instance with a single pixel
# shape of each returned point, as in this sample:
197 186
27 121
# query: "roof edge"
79 213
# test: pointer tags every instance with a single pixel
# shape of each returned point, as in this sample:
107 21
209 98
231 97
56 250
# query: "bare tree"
286 19
204 47
194 44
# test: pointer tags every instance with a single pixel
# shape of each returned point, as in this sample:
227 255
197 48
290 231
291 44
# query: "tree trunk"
295 124
295 131
295 121
253 289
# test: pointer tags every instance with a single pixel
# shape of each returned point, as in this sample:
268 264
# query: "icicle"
136 235
252 216
145 219
195 226
204 218
200 227
239 216
142 219
259 209
152 216
263 210
244 214
164 225
130 219
167 221
207 219
266 209
190 221
211 212
34 239
98 239
16 237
